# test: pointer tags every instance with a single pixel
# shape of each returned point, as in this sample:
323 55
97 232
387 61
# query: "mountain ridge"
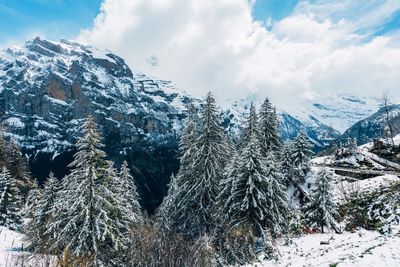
48 88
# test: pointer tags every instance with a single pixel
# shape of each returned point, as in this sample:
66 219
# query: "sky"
292 51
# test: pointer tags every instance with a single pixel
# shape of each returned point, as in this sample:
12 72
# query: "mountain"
372 127
321 135
340 111
48 88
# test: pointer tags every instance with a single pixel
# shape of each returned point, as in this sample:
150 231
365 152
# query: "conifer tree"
243 201
165 210
227 184
90 227
189 135
277 198
321 209
248 203
197 194
2 149
32 199
269 129
251 130
12 158
296 218
301 157
17 165
287 163
187 148
44 212
352 145
10 201
129 195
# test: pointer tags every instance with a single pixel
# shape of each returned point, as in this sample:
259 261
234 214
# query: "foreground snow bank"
363 248
12 252
10 247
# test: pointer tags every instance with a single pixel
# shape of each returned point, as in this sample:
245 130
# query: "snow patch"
15 122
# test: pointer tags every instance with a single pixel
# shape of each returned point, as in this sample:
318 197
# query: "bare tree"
386 103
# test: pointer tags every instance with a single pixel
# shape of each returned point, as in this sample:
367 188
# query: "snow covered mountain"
340 111
321 135
48 88
373 126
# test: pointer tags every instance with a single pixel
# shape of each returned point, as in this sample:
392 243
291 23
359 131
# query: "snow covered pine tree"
10 201
90 228
321 209
301 157
257 200
269 129
187 147
199 176
287 163
129 195
43 212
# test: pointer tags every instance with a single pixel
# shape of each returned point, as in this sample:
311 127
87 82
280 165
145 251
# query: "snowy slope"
10 245
361 249
11 252
340 111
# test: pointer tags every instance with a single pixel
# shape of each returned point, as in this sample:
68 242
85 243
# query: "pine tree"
129 195
12 158
32 199
17 165
3 146
269 129
90 227
187 148
321 209
248 202
287 163
301 157
197 193
10 201
227 184
352 145
44 212
277 198
165 210
296 218
243 200
252 128
189 135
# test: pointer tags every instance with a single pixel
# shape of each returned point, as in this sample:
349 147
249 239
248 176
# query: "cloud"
320 49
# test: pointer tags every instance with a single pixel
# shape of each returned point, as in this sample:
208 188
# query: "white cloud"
216 45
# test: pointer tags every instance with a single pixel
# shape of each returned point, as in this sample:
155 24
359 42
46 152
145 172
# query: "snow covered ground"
12 255
363 248
10 245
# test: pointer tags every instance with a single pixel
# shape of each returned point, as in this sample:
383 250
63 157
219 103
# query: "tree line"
228 203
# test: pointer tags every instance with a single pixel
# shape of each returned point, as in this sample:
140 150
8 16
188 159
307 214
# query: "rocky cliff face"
47 89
